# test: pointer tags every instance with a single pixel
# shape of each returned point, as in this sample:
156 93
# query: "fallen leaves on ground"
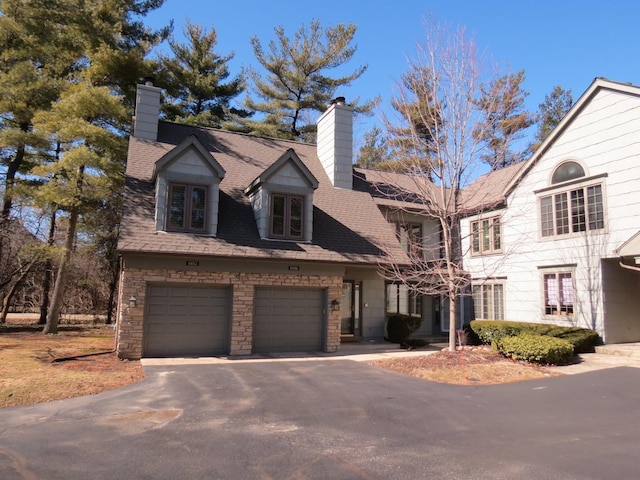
464 367
29 374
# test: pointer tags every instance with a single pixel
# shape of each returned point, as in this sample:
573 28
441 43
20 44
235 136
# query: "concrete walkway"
606 356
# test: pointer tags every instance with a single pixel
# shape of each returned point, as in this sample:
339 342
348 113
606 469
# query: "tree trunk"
48 272
453 316
12 170
6 301
61 278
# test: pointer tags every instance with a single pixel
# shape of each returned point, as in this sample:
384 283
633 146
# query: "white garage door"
288 320
186 321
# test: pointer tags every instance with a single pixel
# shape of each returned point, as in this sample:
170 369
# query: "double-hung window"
287 217
488 301
558 293
486 236
187 208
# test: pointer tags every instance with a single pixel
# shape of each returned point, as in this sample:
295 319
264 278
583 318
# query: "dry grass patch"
30 375
477 367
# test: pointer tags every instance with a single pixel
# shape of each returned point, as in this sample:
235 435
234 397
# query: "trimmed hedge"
399 327
582 339
534 348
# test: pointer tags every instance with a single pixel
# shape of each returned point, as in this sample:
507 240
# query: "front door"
351 301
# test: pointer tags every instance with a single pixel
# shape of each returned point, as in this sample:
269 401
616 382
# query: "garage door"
288 320
186 321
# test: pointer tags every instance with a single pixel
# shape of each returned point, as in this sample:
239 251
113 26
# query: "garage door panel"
288 320
186 320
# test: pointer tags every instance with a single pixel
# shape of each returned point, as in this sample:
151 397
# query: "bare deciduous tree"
437 103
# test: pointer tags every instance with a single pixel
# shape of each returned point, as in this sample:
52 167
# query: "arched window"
567 171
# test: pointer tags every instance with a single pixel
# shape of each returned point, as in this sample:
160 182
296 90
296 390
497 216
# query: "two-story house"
234 244
561 244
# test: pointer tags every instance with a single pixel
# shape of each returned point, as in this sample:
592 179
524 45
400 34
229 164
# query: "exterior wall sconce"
335 305
133 301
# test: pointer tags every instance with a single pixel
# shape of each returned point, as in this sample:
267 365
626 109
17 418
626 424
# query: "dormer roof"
190 142
288 158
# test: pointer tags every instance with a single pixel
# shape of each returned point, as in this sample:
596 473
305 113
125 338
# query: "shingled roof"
348 227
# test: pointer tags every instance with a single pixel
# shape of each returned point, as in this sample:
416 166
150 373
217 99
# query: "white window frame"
555 194
559 298
484 299
483 230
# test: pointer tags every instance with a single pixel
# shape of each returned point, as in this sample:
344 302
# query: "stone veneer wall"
134 281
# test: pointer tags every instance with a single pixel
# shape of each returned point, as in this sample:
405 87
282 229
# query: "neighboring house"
561 244
235 244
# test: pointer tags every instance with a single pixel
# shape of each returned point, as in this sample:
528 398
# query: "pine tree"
375 151
412 137
555 106
297 85
502 104
82 177
196 91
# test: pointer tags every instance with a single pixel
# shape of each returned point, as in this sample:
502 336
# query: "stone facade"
134 282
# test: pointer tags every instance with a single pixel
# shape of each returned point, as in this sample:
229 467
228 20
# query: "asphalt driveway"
329 420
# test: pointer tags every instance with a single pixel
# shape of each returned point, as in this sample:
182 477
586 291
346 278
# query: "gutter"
629 267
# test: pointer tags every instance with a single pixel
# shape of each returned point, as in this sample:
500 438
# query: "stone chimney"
145 121
335 143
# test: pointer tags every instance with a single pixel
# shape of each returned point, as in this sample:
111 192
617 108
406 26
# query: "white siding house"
566 214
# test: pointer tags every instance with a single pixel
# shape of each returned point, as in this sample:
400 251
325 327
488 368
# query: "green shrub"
490 330
534 348
582 339
399 327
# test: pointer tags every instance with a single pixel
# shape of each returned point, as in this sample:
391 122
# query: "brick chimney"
145 121
335 143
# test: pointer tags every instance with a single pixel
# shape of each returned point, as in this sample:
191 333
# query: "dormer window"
282 200
187 208
287 216
187 189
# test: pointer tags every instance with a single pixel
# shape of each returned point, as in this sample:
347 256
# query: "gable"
189 158
601 111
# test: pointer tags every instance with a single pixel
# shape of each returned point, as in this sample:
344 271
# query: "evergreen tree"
502 104
194 83
412 138
81 123
297 84
555 106
375 151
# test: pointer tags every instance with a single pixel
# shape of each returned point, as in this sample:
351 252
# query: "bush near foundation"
582 339
400 327
534 348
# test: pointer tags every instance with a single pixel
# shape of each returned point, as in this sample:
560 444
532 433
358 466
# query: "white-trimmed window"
577 210
486 236
400 299
488 300
578 207
187 208
558 293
